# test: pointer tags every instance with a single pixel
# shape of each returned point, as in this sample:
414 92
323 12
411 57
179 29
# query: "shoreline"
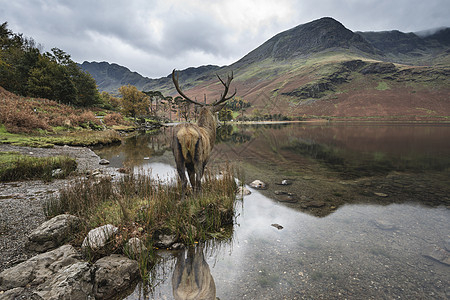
21 201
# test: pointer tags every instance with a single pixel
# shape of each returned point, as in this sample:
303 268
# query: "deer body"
192 143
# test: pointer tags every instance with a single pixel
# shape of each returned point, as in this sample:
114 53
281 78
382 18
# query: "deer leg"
191 173
199 174
182 173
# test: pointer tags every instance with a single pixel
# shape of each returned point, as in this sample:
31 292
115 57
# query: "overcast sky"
152 37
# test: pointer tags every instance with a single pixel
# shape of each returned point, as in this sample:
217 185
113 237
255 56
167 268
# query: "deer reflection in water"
192 278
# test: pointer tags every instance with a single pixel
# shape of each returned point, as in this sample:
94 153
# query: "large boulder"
52 233
71 282
113 275
38 269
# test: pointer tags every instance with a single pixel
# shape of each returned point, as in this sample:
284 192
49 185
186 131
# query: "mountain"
321 68
110 77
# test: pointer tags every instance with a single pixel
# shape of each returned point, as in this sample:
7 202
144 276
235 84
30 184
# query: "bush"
113 119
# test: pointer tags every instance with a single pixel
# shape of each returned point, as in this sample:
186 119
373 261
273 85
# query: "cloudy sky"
154 36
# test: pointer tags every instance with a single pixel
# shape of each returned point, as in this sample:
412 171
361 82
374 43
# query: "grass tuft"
14 166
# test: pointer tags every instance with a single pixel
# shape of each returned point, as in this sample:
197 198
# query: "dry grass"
25 115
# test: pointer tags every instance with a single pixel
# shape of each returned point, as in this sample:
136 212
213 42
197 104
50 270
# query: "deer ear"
219 107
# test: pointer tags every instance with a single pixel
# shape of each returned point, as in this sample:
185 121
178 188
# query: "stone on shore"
52 233
98 237
113 275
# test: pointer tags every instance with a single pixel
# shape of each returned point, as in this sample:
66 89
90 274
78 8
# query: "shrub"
114 119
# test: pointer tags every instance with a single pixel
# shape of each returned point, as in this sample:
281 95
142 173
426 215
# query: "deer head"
217 105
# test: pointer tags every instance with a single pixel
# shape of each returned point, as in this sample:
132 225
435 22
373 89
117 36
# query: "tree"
225 114
134 102
53 75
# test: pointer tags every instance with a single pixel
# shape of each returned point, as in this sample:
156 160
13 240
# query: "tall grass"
15 166
143 207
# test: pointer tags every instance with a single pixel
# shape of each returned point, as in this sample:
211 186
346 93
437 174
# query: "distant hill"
322 68
110 77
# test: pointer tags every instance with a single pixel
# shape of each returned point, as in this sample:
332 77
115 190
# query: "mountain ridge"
313 67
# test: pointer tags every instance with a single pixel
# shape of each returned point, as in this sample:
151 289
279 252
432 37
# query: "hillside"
324 69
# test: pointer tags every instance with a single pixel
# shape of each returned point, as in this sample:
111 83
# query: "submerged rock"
52 233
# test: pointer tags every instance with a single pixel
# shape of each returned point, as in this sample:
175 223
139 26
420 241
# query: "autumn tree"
134 102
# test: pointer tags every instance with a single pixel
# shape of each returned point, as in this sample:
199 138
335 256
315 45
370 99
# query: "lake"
365 214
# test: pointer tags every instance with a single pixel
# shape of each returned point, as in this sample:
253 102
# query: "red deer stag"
192 143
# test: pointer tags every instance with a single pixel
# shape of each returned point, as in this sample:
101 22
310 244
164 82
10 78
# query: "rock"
14 294
177 246
135 247
52 233
258 184
97 237
277 226
288 198
380 194
447 244
57 173
71 282
437 253
278 192
385 225
242 191
103 161
285 182
316 203
39 268
165 241
113 275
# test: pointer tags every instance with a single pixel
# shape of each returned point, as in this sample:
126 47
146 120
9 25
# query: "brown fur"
192 145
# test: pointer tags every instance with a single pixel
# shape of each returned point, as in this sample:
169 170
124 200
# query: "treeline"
25 71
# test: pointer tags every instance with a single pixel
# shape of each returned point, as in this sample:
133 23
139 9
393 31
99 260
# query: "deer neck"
207 121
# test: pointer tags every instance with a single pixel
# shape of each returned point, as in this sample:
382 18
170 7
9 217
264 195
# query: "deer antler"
175 82
224 97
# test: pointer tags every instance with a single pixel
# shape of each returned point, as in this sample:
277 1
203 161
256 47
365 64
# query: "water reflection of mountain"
330 165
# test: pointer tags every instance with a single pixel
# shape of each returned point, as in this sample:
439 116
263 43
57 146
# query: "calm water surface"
368 216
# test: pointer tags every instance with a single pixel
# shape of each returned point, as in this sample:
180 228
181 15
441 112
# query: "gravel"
21 202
